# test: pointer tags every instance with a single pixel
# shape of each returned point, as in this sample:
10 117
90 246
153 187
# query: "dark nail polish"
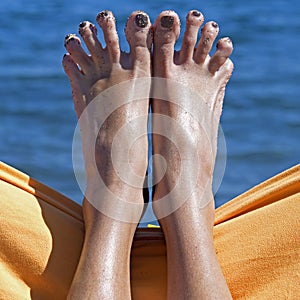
215 25
69 40
67 36
141 20
102 15
167 21
196 13
82 24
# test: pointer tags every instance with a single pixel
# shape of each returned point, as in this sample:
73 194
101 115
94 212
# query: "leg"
193 269
103 270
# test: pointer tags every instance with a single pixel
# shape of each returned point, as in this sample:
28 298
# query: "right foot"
185 135
200 80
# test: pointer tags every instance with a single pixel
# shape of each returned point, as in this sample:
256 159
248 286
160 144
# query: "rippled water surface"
261 119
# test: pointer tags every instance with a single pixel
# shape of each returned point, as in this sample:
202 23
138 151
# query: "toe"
166 32
139 36
106 21
208 35
76 78
71 68
88 32
224 50
73 46
194 20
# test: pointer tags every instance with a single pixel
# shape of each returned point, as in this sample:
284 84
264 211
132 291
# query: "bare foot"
104 87
189 150
106 72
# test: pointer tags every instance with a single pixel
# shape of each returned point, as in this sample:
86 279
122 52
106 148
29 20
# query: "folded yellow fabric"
256 239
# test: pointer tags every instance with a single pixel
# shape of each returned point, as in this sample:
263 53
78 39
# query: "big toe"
166 32
139 36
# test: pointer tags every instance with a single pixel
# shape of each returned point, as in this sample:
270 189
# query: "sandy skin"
189 243
188 230
89 75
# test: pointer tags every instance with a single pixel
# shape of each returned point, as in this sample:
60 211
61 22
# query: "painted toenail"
196 13
167 21
68 35
141 20
82 24
215 25
68 38
102 15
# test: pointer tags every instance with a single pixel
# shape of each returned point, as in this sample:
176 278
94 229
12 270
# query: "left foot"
104 70
110 136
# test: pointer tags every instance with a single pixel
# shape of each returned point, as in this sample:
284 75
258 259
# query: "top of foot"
192 92
113 126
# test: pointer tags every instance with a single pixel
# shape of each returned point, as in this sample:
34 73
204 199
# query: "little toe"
73 46
194 20
76 78
208 35
166 32
71 68
106 21
224 50
88 32
139 36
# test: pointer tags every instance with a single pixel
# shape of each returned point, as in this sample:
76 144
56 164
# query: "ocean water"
261 118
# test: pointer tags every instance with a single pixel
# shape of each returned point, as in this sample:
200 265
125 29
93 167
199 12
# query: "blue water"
261 114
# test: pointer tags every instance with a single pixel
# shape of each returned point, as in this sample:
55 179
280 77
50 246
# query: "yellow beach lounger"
256 238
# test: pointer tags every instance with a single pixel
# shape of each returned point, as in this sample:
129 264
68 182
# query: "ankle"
126 207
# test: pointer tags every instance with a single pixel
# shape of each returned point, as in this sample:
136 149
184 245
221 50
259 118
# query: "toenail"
141 20
196 13
227 40
103 14
67 36
167 21
214 24
82 24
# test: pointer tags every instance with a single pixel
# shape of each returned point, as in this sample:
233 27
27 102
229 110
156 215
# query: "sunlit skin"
103 270
188 231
